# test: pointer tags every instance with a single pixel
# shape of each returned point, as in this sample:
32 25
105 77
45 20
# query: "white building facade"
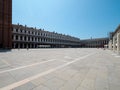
27 37
114 43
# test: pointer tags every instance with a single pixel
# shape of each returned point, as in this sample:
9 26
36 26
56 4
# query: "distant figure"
18 48
27 48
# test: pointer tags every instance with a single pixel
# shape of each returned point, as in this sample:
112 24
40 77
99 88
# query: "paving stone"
41 87
100 71
42 80
83 88
3 65
39 81
73 83
27 86
101 84
54 83
114 86
6 79
88 83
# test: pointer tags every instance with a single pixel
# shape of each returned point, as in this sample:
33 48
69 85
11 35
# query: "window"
25 38
35 33
32 38
35 39
21 30
16 30
28 32
20 37
16 37
28 38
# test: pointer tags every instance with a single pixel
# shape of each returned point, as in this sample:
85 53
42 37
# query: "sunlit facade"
114 42
94 43
28 37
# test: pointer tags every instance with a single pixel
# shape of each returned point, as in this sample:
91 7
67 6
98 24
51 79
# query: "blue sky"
80 18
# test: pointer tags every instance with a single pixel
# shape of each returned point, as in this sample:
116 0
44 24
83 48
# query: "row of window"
100 42
35 39
44 34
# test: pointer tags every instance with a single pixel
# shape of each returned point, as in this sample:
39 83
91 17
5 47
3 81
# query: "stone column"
14 37
18 45
27 46
30 39
14 45
110 44
33 39
27 38
37 39
118 43
23 38
114 45
18 38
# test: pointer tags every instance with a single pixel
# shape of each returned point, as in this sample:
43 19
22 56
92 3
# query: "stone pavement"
59 69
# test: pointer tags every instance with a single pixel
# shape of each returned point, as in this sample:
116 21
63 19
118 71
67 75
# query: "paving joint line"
22 82
21 67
